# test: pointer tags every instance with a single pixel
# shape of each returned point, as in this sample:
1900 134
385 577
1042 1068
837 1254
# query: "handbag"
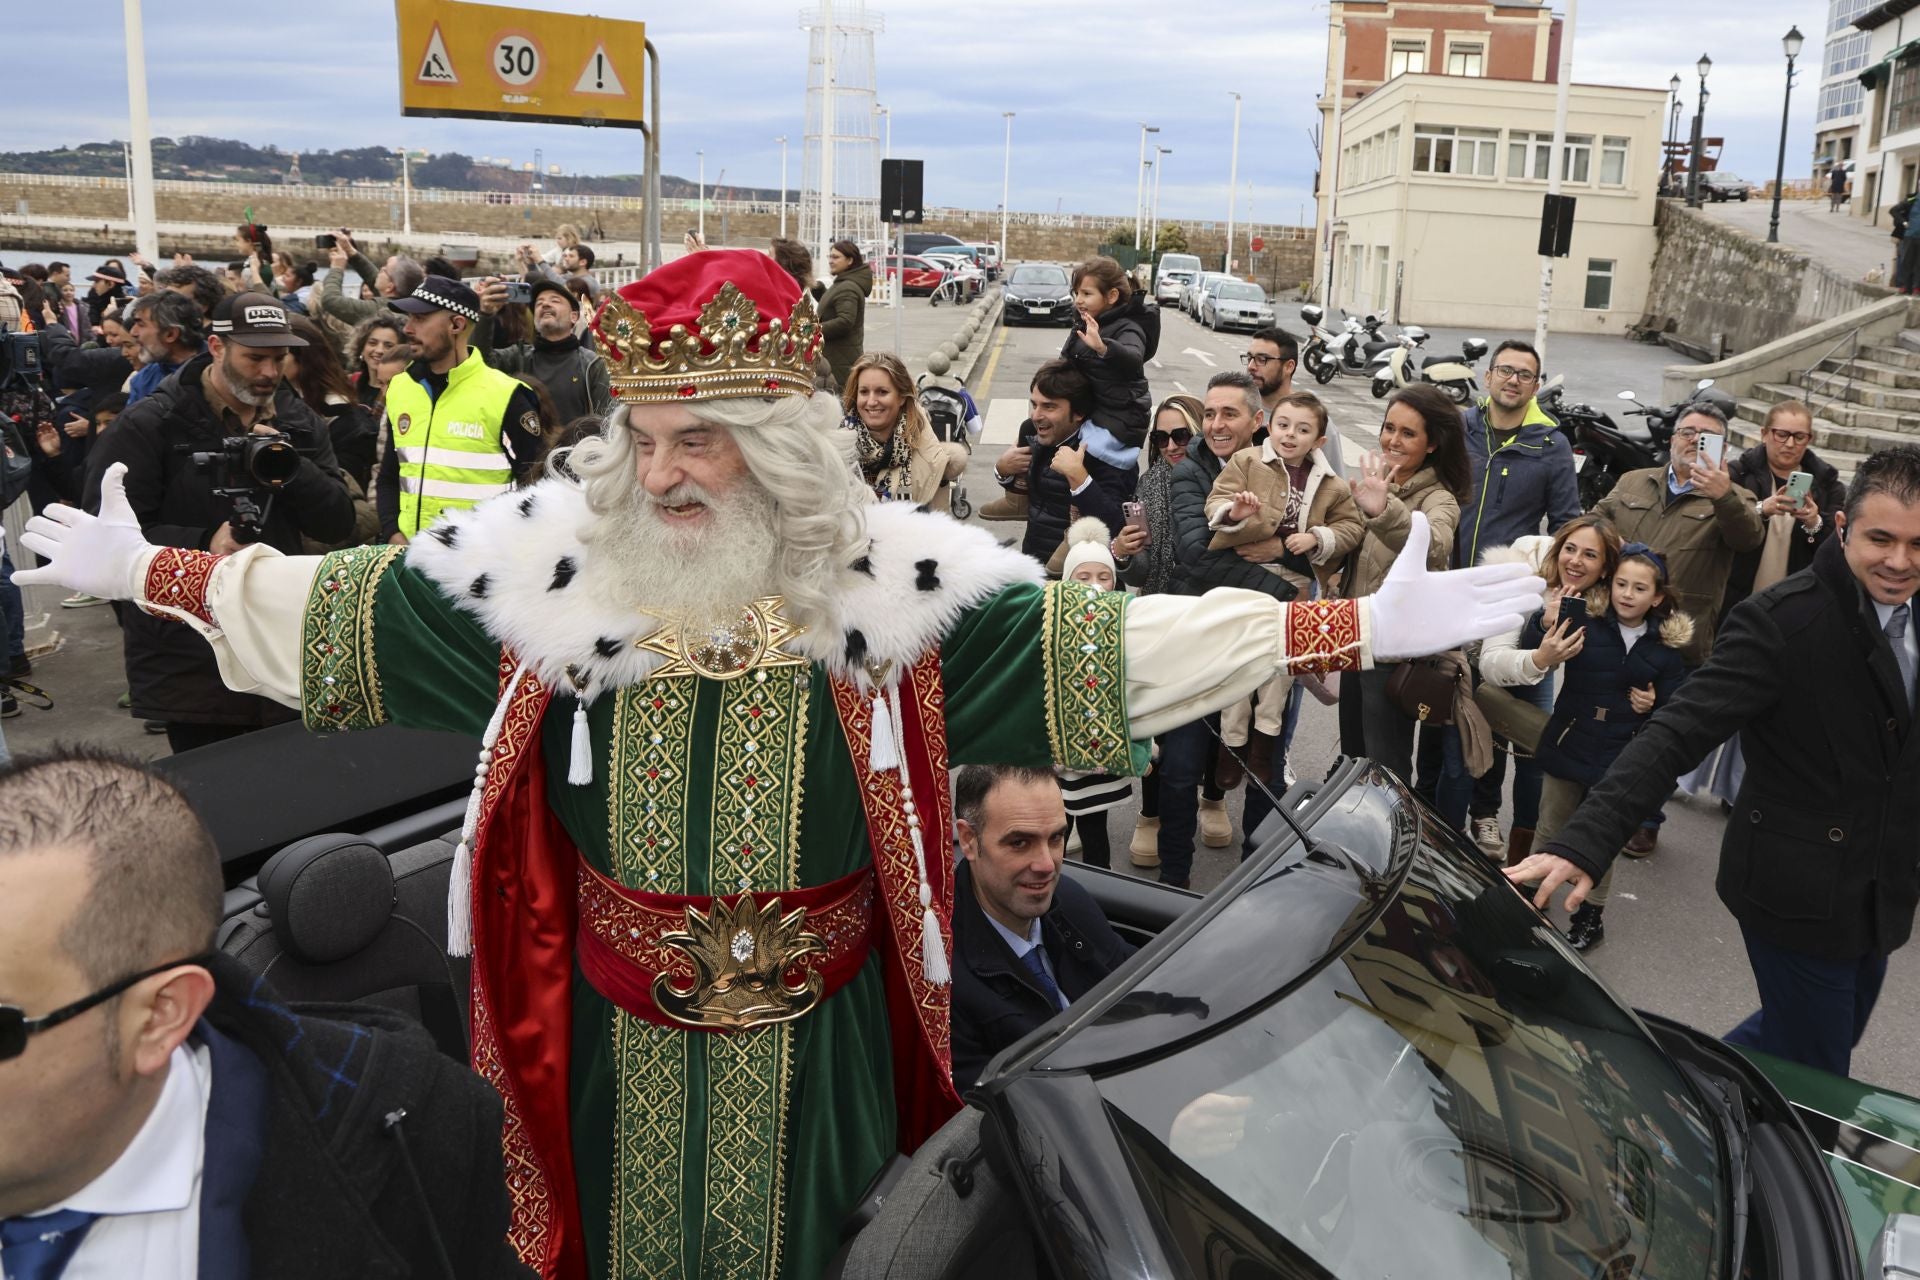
1423 689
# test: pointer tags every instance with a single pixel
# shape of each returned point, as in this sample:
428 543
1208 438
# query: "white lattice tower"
851 137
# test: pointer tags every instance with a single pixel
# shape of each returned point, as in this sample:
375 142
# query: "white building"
1839 106
1888 155
1439 203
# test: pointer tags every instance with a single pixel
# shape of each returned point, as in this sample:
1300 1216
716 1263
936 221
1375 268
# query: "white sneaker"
80 600
1286 772
1486 834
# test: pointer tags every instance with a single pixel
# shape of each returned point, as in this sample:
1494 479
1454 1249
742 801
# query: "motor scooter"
1399 365
1455 377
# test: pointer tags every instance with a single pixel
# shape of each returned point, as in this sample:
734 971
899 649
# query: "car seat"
338 921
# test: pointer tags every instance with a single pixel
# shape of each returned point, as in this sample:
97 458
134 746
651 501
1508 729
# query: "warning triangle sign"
599 76
436 67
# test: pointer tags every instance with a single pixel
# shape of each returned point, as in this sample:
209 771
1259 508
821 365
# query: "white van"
1176 271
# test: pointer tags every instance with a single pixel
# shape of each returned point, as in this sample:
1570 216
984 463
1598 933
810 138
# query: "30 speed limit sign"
516 60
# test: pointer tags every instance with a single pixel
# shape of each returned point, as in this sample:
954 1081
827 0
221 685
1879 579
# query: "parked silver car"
1190 301
1235 304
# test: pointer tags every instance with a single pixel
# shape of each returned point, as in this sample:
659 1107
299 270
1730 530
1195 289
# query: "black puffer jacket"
170 669
1122 403
1052 506
1198 570
1593 716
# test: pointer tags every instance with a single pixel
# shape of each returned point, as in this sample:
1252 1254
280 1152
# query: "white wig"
794 447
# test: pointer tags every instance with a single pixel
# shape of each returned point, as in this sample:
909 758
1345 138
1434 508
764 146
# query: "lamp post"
1790 44
886 147
1699 141
782 140
1233 180
703 195
1140 183
1006 179
1160 155
1673 137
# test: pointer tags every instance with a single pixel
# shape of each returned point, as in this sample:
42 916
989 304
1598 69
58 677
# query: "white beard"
700 576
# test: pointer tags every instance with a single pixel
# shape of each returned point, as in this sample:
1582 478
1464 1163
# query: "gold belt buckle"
741 954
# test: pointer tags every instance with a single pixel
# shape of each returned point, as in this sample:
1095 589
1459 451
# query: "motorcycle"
1398 366
1327 355
1455 377
1604 450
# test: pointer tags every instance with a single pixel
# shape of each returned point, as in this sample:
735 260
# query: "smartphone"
1136 516
1573 611
519 291
1079 322
1799 485
325 240
1713 448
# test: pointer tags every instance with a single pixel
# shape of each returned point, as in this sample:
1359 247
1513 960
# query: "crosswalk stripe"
1004 416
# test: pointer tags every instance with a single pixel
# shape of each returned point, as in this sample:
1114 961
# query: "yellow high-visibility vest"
450 454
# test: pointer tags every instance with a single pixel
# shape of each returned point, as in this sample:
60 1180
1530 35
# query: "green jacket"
337 304
843 320
1698 537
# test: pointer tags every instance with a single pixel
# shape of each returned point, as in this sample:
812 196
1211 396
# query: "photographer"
187 495
574 375
400 277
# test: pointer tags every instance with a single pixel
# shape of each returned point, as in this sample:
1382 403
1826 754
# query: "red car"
922 276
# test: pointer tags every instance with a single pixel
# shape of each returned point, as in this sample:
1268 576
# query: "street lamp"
1159 162
703 195
1790 45
1233 180
782 140
1673 137
1140 183
1006 177
1699 141
886 152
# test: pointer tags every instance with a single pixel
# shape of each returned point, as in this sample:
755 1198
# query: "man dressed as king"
705 876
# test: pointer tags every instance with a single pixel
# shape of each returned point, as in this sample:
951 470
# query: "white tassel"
460 884
580 760
933 947
885 752
460 903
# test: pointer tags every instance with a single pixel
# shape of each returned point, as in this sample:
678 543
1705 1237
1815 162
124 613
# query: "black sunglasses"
16 1027
1179 435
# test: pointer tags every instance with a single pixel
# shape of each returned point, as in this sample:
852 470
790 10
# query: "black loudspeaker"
1556 226
900 187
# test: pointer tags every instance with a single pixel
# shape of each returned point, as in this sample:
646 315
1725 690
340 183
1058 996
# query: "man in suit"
165 1116
1026 941
1820 863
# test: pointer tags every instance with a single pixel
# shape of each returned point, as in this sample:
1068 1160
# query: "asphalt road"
1671 947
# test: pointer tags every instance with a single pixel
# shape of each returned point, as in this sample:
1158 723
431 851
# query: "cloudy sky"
1079 76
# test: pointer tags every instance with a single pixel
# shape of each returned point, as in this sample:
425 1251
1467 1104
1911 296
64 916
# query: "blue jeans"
13 607
1811 1011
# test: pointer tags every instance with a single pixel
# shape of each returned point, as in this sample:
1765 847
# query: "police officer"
458 431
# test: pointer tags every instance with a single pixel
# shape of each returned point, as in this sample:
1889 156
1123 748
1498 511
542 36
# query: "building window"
1442 148
1905 97
1838 101
1613 162
1528 155
1578 165
1466 60
1408 57
1844 12
1599 284
1846 53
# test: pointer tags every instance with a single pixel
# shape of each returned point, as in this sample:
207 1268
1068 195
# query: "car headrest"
328 896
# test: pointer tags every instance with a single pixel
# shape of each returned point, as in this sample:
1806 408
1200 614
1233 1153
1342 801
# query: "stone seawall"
1718 291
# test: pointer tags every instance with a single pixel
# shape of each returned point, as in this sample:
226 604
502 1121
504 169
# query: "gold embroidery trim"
648 793
1085 670
748 1089
339 681
759 761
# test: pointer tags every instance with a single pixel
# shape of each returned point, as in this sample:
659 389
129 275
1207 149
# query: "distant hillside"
224 160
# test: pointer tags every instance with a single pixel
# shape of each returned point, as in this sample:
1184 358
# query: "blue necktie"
39 1248
1036 962
1897 637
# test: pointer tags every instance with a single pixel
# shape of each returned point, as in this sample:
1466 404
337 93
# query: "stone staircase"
1862 401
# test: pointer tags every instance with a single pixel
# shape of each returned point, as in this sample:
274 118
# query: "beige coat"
1387 532
1331 514
932 463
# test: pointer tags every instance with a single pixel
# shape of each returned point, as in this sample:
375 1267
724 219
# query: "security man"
458 431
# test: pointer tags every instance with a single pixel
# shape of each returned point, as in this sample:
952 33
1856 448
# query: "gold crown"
722 361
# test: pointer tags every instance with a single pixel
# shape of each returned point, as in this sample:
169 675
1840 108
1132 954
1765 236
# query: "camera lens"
271 462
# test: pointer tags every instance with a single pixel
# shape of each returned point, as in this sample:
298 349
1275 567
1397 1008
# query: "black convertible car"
1362 1055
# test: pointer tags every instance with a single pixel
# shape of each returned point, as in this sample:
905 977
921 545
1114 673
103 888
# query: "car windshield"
1451 1096
1243 292
1038 278
1179 262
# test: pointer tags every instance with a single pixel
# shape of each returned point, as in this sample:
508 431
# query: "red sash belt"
624 949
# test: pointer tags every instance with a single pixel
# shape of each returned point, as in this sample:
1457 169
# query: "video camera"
247 471
20 359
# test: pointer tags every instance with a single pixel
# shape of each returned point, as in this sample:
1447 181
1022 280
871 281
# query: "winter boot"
1216 828
1145 849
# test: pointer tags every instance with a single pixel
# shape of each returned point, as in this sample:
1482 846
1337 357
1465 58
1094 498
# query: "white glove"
104 555
1418 612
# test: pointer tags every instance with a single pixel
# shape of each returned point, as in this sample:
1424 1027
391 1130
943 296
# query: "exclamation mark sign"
599 70
600 75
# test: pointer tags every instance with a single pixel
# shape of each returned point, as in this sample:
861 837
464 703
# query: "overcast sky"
1079 76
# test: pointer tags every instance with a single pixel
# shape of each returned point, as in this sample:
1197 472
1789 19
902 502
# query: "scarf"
1779 544
1156 497
884 465
569 343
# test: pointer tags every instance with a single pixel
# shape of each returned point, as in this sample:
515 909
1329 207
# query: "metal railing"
1851 341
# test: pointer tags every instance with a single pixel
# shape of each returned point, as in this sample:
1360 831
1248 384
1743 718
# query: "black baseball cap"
438 293
254 320
546 285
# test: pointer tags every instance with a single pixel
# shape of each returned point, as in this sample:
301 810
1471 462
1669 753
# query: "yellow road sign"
491 62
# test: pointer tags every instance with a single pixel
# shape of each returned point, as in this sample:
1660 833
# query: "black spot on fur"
563 571
447 534
856 648
863 565
928 579
605 647
478 587
925 507
526 505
